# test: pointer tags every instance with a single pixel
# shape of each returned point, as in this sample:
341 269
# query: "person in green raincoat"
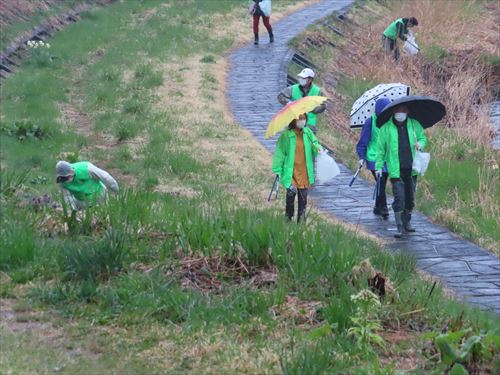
397 29
398 140
293 162
83 184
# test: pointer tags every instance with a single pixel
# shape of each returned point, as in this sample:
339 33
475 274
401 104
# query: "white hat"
306 73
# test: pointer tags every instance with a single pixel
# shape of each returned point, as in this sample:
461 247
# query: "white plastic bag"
410 45
421 162
265 7
326 168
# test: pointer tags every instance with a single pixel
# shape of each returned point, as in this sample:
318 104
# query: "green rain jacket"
285 154
83 186
392 30
297 94
388 144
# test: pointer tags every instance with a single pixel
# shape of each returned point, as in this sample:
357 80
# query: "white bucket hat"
306 73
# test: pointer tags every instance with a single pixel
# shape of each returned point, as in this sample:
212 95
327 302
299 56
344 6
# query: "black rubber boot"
381 211
399 224
256 38
271 38
407 221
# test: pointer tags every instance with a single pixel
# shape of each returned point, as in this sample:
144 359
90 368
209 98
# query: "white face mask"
302 81
400 116
301 124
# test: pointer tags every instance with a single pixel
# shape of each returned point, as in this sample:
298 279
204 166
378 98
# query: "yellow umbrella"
292 111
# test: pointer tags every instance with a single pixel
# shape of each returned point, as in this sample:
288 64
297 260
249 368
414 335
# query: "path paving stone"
258 73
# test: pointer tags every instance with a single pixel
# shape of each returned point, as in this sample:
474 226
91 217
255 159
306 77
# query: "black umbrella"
425 109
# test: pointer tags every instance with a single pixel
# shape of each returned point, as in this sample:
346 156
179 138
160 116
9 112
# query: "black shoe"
271 38
256 38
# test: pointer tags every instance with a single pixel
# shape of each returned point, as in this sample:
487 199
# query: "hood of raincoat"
380 105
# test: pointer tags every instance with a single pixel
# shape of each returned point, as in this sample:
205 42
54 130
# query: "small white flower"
47 45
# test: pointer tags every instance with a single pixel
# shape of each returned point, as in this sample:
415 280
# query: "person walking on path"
293 162
305 87
82 183
367 149
261 8
398 140
397 29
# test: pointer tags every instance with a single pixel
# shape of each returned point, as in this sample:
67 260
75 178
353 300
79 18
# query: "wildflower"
494 166
366 295
47 45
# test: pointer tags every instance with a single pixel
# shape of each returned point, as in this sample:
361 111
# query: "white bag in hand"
421 162
410 45
326 168
265 7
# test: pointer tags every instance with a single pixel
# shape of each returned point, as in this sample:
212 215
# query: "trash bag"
265 7
421 162
411 46
326 168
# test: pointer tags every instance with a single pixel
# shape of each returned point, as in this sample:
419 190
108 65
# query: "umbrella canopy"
425 109
292 111
365 105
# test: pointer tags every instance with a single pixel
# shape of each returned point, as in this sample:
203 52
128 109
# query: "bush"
95 260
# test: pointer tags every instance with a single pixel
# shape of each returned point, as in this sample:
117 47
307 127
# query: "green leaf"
319 332
448 354
469 345
452 337
458 369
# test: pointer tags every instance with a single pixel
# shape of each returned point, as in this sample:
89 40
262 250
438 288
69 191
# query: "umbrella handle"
355 175
272 188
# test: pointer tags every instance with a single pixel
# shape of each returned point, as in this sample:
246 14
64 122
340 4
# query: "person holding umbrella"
398 29
304 88
293 162
366 149
401 134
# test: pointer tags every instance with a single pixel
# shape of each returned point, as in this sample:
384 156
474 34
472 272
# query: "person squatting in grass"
293 162
261 8
397 29
367 149
82 183
305 87
397 141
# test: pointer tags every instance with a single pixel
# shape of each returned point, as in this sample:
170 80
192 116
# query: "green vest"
284 155
371 150
82 186
388 145
297 94
392 30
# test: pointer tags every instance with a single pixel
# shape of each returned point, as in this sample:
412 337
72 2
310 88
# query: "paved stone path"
257 73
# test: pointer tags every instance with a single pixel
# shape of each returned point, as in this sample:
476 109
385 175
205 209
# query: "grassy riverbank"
187 269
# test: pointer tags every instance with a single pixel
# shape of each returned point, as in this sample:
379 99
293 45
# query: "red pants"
266 24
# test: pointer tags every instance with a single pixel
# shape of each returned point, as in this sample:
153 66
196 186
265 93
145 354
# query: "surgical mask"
301 124
302 81
400 116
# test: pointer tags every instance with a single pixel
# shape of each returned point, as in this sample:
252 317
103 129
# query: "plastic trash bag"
421 162
410 45
326 167
265 7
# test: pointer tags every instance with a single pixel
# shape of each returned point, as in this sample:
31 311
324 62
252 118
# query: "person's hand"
360 163
378 173
417 146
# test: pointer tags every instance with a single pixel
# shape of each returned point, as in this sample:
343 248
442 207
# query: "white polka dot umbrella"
365 105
